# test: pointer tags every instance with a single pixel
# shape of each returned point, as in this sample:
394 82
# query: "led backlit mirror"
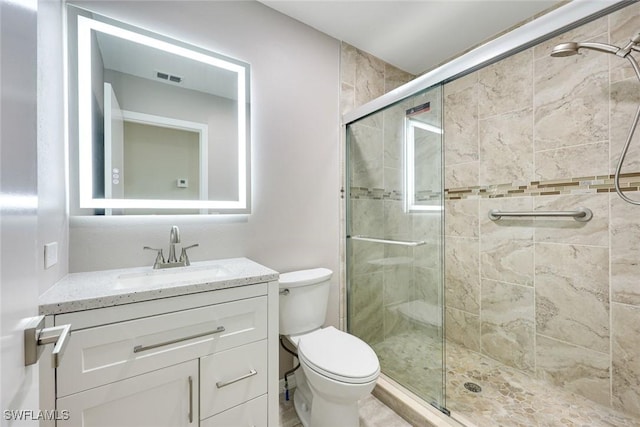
162 126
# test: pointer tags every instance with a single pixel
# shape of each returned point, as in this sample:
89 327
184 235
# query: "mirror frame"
85 120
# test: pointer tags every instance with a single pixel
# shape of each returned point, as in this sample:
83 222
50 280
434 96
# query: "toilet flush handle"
284 291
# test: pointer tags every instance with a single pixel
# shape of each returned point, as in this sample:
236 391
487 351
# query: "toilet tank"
303 300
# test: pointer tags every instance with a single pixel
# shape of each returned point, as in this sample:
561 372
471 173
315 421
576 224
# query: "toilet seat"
339 356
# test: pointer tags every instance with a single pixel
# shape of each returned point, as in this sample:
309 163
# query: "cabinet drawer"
109 353
164 398
232 377
250 414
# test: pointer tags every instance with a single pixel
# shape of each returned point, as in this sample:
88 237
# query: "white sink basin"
190 275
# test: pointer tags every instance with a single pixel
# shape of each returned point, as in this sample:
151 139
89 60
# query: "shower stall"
526 320
394 244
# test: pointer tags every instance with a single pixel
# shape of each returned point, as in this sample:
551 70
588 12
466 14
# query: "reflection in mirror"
162 126
422 147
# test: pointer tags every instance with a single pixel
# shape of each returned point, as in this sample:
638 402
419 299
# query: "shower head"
572 48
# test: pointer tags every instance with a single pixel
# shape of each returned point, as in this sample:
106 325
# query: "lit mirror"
423 159
162 126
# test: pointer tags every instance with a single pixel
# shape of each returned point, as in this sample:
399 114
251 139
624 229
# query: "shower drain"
473 387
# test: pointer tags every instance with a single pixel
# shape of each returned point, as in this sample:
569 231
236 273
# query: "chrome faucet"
172 261
174 237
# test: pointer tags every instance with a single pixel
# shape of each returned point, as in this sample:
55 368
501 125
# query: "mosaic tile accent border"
579 185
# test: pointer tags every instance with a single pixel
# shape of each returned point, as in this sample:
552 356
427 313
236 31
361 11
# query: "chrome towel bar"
388 241
580 214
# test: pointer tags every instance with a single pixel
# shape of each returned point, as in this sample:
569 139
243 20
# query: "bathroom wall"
295 122
555 298
53 224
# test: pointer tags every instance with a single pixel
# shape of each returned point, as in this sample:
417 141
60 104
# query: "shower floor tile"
508 398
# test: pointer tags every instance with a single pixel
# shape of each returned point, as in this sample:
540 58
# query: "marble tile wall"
387 280
555 298
375 170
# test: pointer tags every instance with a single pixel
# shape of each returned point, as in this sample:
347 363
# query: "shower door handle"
388 241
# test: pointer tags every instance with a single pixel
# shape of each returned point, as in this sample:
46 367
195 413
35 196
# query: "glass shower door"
394 244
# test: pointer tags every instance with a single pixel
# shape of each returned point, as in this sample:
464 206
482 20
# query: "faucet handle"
159 257
184 258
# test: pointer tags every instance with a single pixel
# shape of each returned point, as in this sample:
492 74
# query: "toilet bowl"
337 369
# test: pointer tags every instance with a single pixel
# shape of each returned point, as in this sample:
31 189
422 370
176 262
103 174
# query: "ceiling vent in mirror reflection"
144 105
169 77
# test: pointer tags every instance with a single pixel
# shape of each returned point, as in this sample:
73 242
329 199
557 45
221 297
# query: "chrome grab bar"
388 241
580 214
251 373
139 348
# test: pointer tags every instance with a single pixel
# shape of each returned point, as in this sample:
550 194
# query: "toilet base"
303 409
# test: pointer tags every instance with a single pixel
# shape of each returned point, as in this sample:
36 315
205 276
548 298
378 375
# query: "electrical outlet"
50 254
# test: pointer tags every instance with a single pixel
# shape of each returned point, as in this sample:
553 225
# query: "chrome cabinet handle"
139 348
251 373
36 336
190 399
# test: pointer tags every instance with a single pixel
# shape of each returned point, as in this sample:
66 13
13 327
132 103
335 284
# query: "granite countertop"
97 289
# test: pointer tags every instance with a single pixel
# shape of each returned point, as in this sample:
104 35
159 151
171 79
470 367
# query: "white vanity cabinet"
208 358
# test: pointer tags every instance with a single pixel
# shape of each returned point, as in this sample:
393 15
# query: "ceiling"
415 36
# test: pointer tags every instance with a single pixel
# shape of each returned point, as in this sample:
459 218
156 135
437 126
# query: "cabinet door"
164 398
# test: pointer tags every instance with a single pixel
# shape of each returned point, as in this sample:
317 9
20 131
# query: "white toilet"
338 369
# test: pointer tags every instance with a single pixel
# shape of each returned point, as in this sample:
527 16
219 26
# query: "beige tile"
572 294
582 33
347 98
507 260
460 84
428 285
625 98
397 223
348 55
506 85
366 306
428 255
506 147
369 78
573 368
507 325
366 156
463 328
374 413
461 218
393 124
395 77
571 102
461 126
398 283
461 175
625 321
580 160
367 216
625 252
462 283
567 230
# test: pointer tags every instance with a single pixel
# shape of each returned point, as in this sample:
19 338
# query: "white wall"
53 223
295 146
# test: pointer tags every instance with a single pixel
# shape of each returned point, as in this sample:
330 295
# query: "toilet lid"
339 356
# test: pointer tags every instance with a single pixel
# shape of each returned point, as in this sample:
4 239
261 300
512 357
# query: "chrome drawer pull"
139 348
251 373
